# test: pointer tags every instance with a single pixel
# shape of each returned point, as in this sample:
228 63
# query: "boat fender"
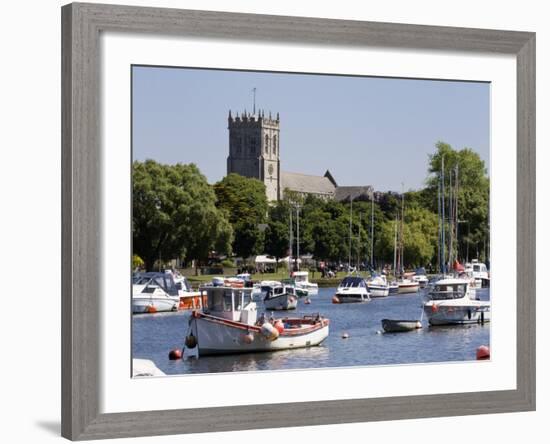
247 338
269 331
191 341
335 300
418 324
345 336
435 308
151 309
292 299
175 354
279 326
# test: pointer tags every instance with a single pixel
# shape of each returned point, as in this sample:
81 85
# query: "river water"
154 335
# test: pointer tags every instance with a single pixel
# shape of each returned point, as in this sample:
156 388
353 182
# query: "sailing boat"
405 285
377 284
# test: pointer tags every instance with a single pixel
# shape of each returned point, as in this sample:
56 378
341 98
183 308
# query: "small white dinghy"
229 324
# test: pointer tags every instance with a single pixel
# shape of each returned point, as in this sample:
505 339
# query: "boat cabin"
155 280
231 303
300 276
450 289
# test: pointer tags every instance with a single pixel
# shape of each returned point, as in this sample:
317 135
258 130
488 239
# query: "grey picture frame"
81 232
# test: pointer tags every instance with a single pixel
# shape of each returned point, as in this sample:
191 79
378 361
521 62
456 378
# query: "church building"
254 151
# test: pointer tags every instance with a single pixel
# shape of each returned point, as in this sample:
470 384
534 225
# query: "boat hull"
400 326
376 291
152 305
408 288
459 315
346 298
215 337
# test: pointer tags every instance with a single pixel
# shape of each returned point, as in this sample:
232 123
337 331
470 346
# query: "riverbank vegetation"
177 214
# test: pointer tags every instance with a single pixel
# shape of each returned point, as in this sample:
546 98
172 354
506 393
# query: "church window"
274 144
266 144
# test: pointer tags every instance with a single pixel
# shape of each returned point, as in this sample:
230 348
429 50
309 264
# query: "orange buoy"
434 308
175 354
483 353
151 309
279 326
335 300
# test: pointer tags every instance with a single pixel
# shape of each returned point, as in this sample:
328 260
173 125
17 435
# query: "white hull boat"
407 286
154 292
453 301
301 280
378 287
352 289
281 298
229 325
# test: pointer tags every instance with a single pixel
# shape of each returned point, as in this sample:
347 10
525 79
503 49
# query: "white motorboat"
407 286
378 286
265 286
478 272
154 292
301 280
420 277
352 289
282 297
229 324
453 301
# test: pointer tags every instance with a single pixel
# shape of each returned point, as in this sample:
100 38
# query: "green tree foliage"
277 239
473 193
174 214
245 202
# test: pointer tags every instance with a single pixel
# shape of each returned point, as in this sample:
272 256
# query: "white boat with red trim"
454 301
229 324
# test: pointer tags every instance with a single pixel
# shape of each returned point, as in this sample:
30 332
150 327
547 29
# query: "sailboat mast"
297 237
443 213
350 217
451 219
290 255
439 262
401 240
395 245
372 230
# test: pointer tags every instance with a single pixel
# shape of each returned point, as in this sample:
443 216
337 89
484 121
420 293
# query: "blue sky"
366 131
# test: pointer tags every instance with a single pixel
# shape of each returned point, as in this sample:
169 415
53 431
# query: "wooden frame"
81 168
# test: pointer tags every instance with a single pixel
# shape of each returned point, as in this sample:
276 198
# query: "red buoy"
335 300
151 309
279 326
175 354
483 353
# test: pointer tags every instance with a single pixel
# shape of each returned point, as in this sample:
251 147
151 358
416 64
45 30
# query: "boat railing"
444 295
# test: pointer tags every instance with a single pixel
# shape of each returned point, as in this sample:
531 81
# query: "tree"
473 193
174 214
276 239
244 201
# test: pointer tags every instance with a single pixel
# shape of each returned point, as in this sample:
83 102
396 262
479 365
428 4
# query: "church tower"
254 149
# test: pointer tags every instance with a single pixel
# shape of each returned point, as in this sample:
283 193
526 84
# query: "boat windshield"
353 282
220 299
156 280
448 291
300 278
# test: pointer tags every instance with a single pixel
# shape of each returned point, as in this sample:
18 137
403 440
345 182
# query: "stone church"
254 151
